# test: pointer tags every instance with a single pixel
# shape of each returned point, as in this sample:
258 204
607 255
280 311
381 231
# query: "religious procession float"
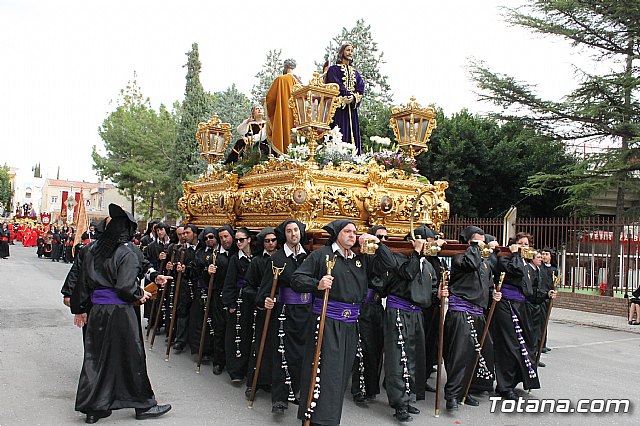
320 178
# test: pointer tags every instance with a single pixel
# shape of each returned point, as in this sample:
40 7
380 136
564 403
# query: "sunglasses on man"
270 240
382 237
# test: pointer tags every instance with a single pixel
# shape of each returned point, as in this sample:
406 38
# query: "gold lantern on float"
412 125
313 108
213 138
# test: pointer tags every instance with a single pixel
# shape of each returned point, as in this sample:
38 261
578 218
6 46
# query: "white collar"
336 248
222 249
241 255
288 252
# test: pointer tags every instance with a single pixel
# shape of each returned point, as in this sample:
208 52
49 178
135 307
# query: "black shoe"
359 398
402 415
155 411
97 415
509 395
206 359
429 388
236 380
278 407
545 350
452 404
542 364
217 369
412 410
178 347
471 401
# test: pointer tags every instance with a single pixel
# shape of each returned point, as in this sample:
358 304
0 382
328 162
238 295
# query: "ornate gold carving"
339 201
277 190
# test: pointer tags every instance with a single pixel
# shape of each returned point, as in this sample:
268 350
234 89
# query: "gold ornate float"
283 188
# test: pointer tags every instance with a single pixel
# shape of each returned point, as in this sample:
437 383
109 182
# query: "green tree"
487 164
5 188
604 106
195 108
134 137
232 106
374 111
271 69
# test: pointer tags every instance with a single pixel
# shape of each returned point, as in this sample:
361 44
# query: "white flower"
381 141
336 133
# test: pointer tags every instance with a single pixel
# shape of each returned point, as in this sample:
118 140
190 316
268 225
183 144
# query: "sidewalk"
611 322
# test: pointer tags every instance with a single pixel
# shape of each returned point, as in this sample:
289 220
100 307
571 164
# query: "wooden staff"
485 331
175 307
155 303
156 323
206 314
443 300
276 273
316 359
546 321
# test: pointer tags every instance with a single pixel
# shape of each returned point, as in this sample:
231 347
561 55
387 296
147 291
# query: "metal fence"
583 246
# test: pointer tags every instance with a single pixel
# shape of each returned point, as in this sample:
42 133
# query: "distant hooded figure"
114 371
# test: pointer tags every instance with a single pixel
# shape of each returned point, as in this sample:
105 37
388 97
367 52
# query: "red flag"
63 208
75 208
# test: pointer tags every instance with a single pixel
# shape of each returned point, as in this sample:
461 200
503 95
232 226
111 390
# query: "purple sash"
459 304
106 296
289 297
402 304
340 311
510 292
372 297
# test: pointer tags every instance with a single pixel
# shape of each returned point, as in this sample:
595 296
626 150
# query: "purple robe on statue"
351 83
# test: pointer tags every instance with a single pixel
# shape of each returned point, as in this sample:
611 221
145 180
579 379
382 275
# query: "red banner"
63 208
75 208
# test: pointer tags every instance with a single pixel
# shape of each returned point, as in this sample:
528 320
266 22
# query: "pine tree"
232 106
604 107
187 164
134 137
271 69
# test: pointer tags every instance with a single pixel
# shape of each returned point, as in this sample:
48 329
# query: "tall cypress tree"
195 108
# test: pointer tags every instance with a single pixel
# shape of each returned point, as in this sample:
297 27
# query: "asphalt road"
41 356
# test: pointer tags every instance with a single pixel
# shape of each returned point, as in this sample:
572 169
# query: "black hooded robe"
340 338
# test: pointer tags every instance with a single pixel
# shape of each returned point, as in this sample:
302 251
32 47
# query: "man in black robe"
205 258
365 378
290 318
259 267
186 331
408 287
348 287
512 328
549 274
431 317
217 312
469 288
114 371
240 310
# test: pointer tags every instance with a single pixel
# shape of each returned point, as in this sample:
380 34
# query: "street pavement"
593 356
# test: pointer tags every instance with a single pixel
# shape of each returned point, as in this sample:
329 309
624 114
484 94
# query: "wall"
589 303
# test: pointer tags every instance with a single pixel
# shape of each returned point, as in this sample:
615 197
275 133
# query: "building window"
27 193
54 199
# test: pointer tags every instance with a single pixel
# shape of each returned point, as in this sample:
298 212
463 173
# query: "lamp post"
313 108
213 138
412 125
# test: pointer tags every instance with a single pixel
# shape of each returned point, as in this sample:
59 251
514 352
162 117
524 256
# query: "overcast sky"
64 61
